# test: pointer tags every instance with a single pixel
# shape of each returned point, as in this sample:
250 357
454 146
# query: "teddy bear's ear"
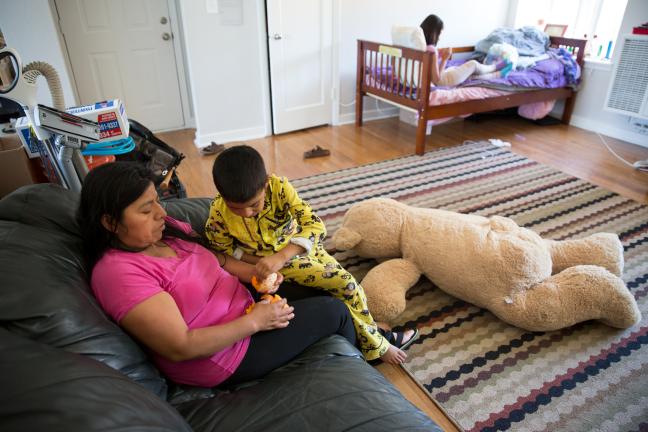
345 239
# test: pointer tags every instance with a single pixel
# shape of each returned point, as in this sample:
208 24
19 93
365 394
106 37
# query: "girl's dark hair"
239 173
432 26
108 190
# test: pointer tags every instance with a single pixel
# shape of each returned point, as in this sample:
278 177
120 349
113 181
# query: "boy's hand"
270 264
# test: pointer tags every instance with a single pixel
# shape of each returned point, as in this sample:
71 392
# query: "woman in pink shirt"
151 274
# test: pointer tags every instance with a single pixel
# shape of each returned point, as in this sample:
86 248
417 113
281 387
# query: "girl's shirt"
204 292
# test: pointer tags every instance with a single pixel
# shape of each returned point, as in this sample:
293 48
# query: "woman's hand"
270 316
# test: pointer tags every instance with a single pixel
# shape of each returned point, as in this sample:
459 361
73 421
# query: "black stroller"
159 157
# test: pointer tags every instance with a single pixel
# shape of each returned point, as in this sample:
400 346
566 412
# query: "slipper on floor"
316 151
212 149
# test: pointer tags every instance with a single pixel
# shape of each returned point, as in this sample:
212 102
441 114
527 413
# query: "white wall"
588 112
228 72
465 22
28 27
228 68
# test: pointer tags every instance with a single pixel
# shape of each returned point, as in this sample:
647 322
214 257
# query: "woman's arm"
158 324
250 259
239 268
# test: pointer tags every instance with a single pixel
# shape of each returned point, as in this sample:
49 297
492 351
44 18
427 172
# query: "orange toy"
262 287
266 284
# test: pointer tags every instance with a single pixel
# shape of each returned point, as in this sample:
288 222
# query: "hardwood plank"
418 396
569 149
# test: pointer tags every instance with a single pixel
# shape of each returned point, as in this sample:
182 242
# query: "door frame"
336 34
181 70
334 95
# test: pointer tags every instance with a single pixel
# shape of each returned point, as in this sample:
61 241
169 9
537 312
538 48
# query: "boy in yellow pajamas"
260 219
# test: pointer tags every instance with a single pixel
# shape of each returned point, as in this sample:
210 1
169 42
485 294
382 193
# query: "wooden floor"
569 149
572 150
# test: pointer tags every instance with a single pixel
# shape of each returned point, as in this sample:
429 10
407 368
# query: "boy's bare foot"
394 355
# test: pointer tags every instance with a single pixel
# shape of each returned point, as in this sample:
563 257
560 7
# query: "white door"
124 49
300 42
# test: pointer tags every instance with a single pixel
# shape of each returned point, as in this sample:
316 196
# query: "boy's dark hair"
239 173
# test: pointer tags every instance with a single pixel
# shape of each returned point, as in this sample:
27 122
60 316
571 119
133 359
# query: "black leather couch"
64 366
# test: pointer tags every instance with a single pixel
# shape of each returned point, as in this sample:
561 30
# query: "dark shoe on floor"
316 151
212 149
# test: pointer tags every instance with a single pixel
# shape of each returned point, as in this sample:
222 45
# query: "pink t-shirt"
204 293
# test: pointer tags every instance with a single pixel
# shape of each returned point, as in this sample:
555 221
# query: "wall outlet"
211 6
638 125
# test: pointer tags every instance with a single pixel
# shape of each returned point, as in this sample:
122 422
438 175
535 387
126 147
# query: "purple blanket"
545 74
558 71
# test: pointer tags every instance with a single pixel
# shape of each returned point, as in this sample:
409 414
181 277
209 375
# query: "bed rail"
574 46
392 71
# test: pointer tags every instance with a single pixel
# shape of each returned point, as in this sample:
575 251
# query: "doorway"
126 50
300 42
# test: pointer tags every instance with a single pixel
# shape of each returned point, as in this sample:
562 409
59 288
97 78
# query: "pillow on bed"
409 37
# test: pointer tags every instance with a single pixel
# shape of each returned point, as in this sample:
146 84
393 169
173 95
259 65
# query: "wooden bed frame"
373 57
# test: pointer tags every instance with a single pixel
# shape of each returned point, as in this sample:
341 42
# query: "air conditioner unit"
628 92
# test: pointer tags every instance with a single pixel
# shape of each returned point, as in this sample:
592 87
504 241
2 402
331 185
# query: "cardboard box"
110 115
24 133
14 165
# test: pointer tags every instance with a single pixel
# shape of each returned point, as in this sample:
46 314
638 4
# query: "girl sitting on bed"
455 75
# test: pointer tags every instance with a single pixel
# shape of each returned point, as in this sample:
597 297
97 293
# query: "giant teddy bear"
493 263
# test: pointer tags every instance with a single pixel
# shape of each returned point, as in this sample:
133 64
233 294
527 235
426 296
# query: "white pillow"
410 37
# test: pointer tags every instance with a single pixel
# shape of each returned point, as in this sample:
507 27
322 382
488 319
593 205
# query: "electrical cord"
109 148
641 165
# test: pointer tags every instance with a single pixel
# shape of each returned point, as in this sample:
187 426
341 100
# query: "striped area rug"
488 375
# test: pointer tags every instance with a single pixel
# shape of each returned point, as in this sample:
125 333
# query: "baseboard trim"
229 136
602 128
369 115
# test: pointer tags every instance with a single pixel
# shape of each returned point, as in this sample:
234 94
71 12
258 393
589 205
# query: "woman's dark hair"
432 26
108 190
239 173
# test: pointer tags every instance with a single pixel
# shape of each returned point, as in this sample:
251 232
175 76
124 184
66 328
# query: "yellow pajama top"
285 219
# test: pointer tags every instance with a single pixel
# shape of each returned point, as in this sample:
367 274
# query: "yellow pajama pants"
321 271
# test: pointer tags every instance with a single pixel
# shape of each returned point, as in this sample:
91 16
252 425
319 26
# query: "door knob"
276 36
164 20
166 36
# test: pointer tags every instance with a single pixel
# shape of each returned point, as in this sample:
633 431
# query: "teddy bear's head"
372 229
